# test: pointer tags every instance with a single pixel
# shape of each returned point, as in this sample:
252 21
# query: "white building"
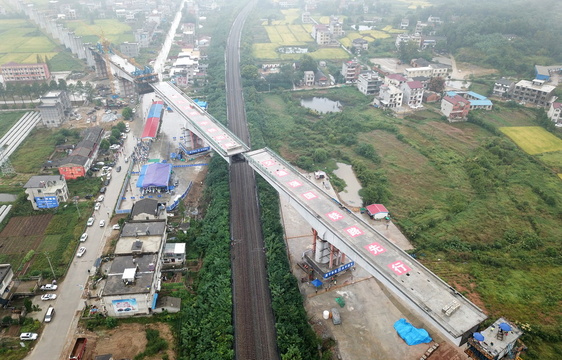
413 94
369 83
533 92
55 108
555 112
390 96
502 87
46 191
308 78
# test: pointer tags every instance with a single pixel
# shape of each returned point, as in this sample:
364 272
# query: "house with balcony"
413 94
390 97
6 276
308 79
369 83
503 87
455 108
359 45
555 113
350 71
321 33
533 92
46 191
395 79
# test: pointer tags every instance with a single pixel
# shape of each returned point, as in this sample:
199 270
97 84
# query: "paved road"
58 335
254 328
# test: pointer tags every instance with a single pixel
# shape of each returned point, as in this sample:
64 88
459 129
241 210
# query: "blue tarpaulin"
410 334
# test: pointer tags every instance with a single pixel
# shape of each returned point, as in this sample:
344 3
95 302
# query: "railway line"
17 134
254 325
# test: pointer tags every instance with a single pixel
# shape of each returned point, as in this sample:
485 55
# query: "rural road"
59 334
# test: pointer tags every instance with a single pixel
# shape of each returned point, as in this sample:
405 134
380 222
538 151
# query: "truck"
79 349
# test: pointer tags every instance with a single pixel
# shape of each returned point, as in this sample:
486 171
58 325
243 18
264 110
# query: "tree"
127 113
104 144
437 84
308 63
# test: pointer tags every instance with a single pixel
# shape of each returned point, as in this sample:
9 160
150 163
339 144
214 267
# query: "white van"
50 314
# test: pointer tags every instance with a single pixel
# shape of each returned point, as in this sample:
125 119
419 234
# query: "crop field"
21 234
114 30
290 16
533 139
22 42
413 4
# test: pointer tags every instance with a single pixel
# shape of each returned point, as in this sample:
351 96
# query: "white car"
102 223
97 206
28 336
116 227
100 198
114 147
47 297
81 251
49 287
84 237
90 221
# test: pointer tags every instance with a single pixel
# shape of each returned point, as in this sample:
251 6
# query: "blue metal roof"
481 102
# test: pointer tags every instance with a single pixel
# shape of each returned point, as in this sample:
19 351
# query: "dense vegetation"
511 36
463 193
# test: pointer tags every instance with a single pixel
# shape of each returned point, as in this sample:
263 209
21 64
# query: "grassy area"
34 151
8 119
65 61
461 194
533 139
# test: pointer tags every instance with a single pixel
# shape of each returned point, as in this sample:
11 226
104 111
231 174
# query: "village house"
390 97
55 108
533 92
350 71
369 83
555 113
502 87
455 108
413 94
476 101
46 191
308 79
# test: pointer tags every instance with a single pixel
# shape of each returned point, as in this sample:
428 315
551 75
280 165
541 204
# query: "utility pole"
51 265
77 209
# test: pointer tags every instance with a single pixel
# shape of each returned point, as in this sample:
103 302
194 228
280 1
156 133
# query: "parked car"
48 297
102 190
100 198
90 221
97 206
106 182
116 227
89 196
49 287
102 223
118 169
28 336
81 251
84 237
114 147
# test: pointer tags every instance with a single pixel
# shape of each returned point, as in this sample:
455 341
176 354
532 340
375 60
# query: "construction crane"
106 49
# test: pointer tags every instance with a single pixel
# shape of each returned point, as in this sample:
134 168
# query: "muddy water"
350 195
321 105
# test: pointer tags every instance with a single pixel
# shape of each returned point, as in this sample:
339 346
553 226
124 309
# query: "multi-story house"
394 79
129 49
14 72
503 87
533 92
405 38
350 71
360 44
308 78
555 112
55 108
46 191
390 96
336 27
455 108
321 33
413 94
369 83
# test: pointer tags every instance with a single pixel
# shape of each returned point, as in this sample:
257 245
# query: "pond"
321 105
349 195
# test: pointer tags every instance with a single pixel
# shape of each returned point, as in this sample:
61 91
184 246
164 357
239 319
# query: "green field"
114 30
533 139
34 151
22 42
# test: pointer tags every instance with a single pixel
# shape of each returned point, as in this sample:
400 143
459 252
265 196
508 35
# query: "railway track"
254 325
